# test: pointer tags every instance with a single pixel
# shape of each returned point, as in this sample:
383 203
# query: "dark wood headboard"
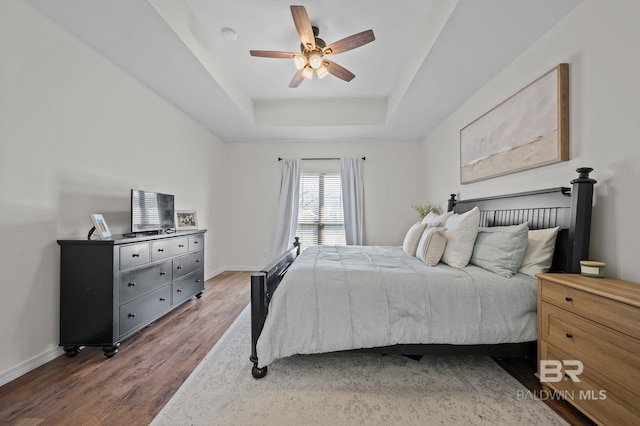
568 208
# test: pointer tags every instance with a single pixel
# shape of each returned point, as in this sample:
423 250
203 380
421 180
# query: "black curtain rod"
320 158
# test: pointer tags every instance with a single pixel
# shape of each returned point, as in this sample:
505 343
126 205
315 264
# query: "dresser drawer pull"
131 315
135 255
195 242
179 267
197 281
162 299
569 335
179 290
160 249
568 299
197 260
133 284
163 273
180 245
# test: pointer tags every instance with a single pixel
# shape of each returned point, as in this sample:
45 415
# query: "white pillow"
433 219
412 238
462 230
431 246
538 257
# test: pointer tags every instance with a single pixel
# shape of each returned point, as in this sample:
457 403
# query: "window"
320 215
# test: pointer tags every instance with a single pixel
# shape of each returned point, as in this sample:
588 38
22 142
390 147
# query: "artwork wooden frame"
186 219
529 129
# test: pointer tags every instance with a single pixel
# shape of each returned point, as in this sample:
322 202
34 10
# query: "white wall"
390 188
76 133
600 41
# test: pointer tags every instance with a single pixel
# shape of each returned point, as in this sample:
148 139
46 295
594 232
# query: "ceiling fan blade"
303 25
339 71
296 80
350 42
272 54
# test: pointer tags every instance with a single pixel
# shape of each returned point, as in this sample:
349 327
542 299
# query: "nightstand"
589 344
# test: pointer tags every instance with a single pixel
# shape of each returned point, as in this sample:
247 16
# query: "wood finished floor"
132 387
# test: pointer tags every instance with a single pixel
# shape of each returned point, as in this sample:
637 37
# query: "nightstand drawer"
611 313
593 344
595 394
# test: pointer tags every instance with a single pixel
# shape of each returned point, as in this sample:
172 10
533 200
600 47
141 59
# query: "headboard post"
451 203
580 227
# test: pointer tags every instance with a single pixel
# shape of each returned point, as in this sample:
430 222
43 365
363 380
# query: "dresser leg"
71 351
110 351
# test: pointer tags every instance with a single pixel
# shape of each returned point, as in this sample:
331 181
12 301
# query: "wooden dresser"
595 322
109 289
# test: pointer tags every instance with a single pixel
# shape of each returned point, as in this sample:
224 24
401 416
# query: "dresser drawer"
196 242
611 313
593 344
186 287
171 247
144 308
132 255
595 394
184 265
139 281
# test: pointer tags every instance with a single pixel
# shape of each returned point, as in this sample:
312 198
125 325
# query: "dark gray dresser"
109 289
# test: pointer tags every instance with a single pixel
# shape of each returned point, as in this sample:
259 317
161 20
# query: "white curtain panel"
288 215
352 199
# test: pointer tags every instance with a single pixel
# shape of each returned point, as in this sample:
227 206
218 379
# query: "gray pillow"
500 249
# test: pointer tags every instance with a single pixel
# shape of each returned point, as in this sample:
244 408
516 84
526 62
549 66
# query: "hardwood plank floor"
132 387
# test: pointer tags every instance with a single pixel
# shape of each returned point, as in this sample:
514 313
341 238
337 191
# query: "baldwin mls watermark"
551 370
554 371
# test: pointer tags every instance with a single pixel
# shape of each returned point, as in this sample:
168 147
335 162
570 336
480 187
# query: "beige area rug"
349 389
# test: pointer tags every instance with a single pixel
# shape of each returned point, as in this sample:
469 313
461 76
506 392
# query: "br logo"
551 370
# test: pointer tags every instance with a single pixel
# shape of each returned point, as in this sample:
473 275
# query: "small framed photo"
186 219
101 226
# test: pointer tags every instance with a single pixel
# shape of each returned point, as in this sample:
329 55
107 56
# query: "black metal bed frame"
567 208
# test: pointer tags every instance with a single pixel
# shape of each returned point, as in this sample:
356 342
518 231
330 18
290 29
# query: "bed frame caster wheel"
258 373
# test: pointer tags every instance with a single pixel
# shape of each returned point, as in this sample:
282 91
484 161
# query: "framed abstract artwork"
529 129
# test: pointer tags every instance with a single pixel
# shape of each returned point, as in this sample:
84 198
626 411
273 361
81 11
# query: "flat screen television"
152 211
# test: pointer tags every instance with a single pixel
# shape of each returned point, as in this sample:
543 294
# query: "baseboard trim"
29 365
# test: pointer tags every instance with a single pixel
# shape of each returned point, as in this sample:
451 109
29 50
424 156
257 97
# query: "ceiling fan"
314 50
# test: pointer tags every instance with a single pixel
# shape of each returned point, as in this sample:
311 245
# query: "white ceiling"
429 56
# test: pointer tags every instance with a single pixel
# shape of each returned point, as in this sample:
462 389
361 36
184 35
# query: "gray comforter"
340 298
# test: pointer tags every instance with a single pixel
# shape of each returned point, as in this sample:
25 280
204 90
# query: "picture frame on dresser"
101 226
186 219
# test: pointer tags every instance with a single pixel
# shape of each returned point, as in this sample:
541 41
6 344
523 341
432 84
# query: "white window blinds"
320 216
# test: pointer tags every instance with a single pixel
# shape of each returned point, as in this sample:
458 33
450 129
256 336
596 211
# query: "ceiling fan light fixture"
315 59
322 70
300 61
307 72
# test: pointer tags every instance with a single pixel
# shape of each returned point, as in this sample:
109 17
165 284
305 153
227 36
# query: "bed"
381 299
